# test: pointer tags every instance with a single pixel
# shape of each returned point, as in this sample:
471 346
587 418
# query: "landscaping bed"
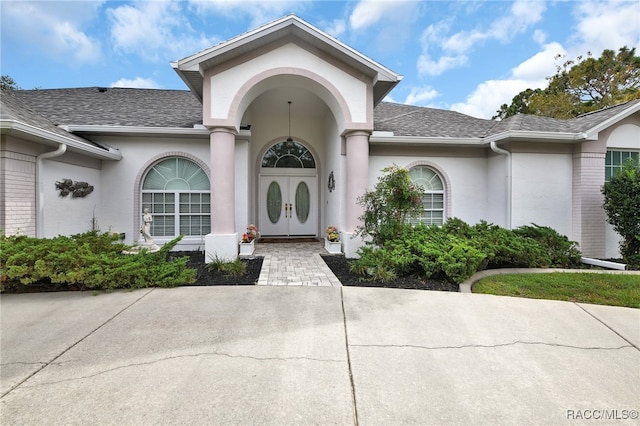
340 266
208 277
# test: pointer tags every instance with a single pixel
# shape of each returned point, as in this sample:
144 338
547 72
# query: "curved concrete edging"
467 285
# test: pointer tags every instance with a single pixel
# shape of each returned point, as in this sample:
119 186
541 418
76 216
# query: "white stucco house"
284 127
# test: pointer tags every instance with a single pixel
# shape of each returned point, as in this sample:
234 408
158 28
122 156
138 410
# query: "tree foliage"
393 201
622 205
580 86
8 83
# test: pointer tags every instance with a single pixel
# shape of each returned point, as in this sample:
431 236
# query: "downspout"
39 191
497 150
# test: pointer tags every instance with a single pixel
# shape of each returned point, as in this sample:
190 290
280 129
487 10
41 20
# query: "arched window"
288 155
433 197
177 193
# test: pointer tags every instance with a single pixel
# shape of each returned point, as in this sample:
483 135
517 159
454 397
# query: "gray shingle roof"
179 108
408 120
14 109
116 106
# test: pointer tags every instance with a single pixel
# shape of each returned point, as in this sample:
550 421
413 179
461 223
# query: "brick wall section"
17 193
588 215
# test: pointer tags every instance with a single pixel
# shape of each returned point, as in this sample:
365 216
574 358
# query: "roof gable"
191 68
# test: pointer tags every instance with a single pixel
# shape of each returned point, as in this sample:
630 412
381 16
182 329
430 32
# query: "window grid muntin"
615 159
175 212
183 208
285 155
433 197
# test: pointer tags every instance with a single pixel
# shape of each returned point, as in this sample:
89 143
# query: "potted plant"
247 244
332 241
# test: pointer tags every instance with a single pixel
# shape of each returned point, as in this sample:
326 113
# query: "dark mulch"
340 267
206 277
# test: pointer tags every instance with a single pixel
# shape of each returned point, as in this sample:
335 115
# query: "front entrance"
288 191
288 205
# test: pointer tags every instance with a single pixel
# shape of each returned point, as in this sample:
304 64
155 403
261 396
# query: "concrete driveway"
315 355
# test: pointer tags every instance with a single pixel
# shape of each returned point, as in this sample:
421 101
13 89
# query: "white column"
357 149
223 240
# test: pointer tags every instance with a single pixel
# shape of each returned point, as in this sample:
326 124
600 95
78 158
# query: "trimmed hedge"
456 251
92 260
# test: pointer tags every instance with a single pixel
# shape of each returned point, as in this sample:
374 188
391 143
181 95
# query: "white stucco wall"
542 185
333 162
497 197
226 84
467 178
67 215
118 182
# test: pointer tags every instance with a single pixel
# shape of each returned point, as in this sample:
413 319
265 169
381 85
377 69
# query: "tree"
582 86
519 104
8 83
393 201
622 205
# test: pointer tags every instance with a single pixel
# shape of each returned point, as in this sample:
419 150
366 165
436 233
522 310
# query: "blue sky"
468 56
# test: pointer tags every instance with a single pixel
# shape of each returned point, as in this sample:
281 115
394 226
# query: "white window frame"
177 214
427 217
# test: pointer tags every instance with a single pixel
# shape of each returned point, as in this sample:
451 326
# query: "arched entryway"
288 191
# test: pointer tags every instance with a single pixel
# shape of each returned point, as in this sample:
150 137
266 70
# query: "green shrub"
561 251
622 205
92 260
394 200
455 251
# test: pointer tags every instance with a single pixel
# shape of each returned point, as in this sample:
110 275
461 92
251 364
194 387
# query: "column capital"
221 129
348 133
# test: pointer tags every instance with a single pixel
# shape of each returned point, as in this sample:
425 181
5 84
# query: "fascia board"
532 135
199 131
32 132
386 139
136 130
421 140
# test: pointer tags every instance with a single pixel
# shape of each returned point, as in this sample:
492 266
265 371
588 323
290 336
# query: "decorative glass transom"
176 174
288 155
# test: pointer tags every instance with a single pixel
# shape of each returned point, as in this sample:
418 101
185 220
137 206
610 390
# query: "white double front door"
288 205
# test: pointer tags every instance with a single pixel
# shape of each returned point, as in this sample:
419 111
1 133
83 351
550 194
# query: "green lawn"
600 289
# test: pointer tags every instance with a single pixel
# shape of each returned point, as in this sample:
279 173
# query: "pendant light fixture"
289 140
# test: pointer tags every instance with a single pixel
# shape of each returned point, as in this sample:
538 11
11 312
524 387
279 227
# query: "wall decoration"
332 182
76 189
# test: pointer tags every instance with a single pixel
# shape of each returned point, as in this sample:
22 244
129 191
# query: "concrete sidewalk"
314 355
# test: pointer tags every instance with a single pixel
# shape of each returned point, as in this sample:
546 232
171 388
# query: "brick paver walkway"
294 264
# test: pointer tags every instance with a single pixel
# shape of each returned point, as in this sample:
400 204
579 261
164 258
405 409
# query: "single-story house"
285 127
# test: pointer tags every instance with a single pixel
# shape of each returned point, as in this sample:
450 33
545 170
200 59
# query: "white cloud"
336 28
370 12
259 12
137 83
484 101
421 95
155 30
428 66
56 28
455 48
388 24
530 74
539 66
606 25
539 36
